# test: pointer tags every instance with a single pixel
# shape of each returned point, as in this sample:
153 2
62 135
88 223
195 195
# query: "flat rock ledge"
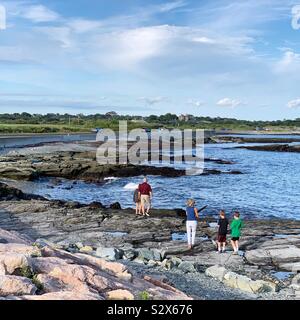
84 166
31 271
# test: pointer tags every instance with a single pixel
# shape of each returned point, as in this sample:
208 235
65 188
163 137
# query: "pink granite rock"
13 285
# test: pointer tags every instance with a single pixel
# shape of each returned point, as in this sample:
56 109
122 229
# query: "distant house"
111 114
138 121
185 117
261 129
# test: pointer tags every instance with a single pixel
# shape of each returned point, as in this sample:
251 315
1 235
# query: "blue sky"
221 58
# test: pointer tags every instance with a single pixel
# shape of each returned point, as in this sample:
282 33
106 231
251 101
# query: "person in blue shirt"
191 222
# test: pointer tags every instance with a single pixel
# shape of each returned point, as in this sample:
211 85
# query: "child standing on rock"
137 201
236 226
222 232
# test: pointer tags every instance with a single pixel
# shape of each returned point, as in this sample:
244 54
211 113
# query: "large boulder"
20 248
237 281
17 286
244 283
13 261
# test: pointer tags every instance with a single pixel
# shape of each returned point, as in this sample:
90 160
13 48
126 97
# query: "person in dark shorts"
137 201
236 226
145 194
222 232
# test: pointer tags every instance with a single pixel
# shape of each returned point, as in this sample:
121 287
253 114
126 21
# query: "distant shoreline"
28 135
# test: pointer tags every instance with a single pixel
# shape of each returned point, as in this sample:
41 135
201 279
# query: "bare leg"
148 208
233 245
224 245
137 208
237 246
219 246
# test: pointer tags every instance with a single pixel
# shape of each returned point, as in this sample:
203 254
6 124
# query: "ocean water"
269 186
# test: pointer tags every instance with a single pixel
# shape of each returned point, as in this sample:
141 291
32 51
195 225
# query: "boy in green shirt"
236 226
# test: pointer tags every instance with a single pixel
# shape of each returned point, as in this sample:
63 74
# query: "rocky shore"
82 165
274 147
150 248
40 271
246 139
68 250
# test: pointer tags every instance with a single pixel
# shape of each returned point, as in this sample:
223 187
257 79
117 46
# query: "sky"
221 58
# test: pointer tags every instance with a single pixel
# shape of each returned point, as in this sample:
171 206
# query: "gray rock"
175 261
217 272
274 256
293 266
187 267
149 254
238 281
259 257
130 254
111 254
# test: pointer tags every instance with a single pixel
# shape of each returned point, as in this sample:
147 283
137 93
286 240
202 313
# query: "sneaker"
147 214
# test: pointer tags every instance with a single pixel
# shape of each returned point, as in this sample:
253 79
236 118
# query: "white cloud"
195 103
128 48
84 25
39 13
204 40
172 6
167 48
62 35
14 54
294 104
152 101
290 62
228 102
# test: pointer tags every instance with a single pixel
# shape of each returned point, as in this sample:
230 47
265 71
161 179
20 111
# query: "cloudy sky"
214 58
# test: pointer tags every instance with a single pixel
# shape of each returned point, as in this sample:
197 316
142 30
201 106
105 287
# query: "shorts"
235 238
221 238
145 200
